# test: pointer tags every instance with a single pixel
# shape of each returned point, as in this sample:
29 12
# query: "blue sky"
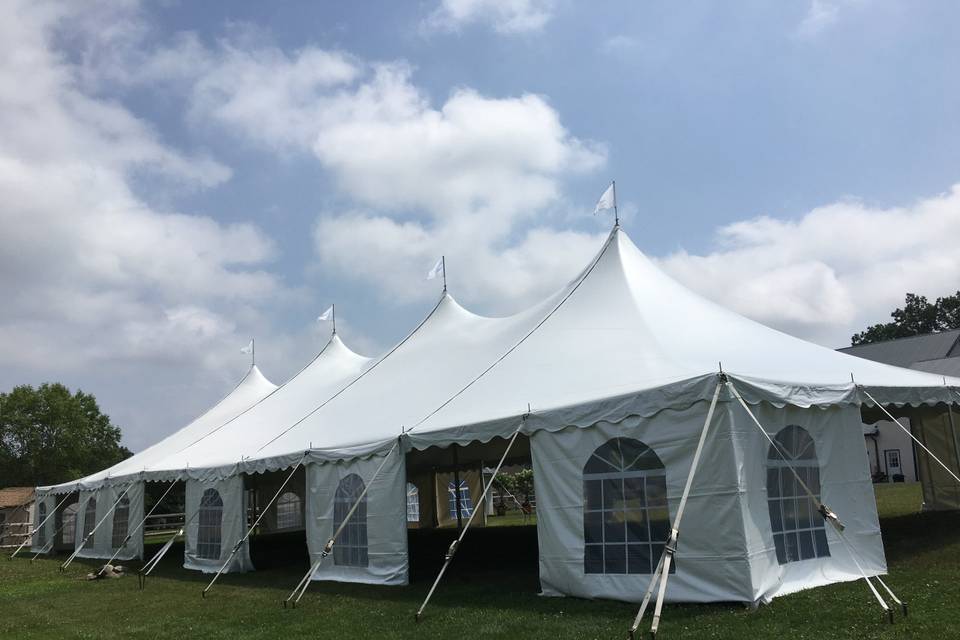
180 176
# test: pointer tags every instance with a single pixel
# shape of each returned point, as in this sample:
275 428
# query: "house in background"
890 450
16 515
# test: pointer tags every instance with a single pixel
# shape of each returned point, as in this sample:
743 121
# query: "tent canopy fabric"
622 339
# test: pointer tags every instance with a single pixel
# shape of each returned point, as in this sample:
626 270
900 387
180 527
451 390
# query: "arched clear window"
798 530
121 522
466 503
69 523
413 503
289 511
90 520
41 525
351 548
209 523
626 521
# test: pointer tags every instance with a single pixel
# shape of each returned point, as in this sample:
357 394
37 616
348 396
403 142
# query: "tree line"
49 435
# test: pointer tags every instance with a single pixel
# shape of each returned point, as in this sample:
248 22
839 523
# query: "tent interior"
612 390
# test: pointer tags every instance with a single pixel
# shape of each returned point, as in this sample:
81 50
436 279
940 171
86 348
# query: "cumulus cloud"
460 177
93 276
832 271
505 16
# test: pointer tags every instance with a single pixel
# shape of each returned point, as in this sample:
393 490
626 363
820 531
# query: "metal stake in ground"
662 572
301 587
239 544
94 530
37 528
456 543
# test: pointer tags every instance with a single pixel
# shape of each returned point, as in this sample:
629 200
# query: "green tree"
48 436
918 316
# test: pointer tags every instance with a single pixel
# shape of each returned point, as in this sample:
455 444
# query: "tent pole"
456 487
236 547
824 511
37 528
456 543
94 530
663 567
907 431
137 528
328 548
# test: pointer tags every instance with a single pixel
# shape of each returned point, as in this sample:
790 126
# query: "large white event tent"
609 381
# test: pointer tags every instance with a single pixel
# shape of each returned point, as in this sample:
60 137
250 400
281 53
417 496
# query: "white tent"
609 378
128 475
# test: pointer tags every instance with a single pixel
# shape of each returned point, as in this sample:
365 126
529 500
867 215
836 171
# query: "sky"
178 177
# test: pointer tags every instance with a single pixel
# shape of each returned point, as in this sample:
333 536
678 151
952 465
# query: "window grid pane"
121 519
798 529
90 520
413 503
41 528
210 520
351 547
625 517
289 511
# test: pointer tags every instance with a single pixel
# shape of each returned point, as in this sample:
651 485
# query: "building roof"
944 366
907 352
15 496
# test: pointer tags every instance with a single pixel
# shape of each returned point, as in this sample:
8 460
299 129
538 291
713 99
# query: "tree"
918 316
48 436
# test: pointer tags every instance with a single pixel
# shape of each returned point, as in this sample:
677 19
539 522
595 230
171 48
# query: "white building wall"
887 443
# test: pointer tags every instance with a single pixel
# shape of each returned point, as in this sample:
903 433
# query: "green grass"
489 592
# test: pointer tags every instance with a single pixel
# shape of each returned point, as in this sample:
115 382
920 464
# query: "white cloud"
822 15
93 277
460 177
834 270
505 16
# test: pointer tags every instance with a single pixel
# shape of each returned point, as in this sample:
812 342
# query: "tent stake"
663 567
37 528
294 596
94 530
236 547
456 543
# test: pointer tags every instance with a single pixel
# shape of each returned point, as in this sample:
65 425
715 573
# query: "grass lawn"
489 592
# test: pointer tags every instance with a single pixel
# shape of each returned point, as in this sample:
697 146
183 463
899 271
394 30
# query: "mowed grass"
490 591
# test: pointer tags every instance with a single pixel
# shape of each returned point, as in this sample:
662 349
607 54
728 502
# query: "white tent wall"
712 563
44 533
101 544
381 519
845 486
936 427
197 552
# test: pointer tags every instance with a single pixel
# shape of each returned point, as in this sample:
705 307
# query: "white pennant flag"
247 349
323 317
436 271
607 201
